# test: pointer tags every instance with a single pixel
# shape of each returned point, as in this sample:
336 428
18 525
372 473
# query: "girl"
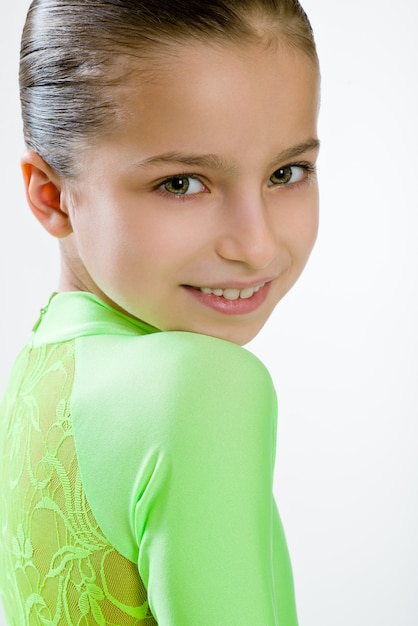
171 149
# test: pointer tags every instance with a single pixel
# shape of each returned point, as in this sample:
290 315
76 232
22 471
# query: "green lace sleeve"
175 436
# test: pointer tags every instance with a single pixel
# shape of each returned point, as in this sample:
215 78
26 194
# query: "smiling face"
200 210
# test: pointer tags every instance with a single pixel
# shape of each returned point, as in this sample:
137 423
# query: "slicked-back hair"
74 51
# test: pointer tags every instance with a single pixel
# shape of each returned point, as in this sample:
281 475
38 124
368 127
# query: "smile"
232 293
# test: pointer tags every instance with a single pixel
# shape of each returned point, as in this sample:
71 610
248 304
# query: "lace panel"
56 566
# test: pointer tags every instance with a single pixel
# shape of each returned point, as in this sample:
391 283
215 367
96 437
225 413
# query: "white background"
342 347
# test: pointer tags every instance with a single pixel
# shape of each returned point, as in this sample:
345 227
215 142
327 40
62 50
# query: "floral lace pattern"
56 566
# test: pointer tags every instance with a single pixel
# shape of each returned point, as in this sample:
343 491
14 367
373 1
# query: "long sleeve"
175 436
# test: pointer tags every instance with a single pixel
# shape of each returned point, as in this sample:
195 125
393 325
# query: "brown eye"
178 185
287 175
281 176
182 186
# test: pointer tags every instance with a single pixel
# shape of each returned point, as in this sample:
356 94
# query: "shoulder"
175 347
147 409
164 366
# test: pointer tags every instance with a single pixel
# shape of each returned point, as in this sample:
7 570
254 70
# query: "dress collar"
79 314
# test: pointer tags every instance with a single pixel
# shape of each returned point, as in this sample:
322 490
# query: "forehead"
193 63
218 99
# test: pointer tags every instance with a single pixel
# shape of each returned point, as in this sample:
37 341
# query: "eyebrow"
209 161
213 161
295 151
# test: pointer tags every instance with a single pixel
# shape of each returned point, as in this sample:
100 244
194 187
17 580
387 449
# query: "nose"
247 234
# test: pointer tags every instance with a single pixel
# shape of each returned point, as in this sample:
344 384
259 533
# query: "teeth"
247 293
233 294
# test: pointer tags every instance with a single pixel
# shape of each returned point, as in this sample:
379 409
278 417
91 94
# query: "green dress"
136 469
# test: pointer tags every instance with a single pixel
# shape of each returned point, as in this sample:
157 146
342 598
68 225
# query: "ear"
43 193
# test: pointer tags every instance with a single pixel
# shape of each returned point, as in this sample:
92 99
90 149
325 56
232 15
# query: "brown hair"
73 50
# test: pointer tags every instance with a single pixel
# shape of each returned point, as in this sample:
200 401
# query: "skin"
128 238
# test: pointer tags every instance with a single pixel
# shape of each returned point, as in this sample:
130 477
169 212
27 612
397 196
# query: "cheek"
102 245
299 227
141 255
309 228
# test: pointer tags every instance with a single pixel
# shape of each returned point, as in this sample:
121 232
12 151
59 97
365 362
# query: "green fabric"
57 568
175 438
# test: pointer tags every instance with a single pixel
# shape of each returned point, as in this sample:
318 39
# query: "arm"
196 428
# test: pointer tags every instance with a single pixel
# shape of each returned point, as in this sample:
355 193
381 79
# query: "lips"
232 300
232 293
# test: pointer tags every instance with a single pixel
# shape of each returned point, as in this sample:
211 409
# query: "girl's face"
200 211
